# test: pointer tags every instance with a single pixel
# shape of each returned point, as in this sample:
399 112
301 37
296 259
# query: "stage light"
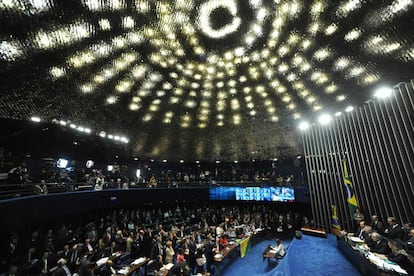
110 168
138 173
181 161
304 125
164 161
218 161
349 109
89 164
62 163
383 92
325 119
35 119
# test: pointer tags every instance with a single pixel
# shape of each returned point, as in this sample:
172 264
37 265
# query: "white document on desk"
355 239
123 271
380 263
102 261
138 261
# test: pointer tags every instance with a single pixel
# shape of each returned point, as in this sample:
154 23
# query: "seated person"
180 256
393 231
179 269
378 245
274 251
377 225
398 255
367 235
223 241
409 245
108 269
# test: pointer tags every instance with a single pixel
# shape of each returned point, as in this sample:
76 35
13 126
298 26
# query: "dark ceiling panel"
217 79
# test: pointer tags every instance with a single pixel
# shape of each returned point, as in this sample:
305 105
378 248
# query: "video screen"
280 194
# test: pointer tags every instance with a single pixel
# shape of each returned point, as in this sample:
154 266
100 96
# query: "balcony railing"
8 191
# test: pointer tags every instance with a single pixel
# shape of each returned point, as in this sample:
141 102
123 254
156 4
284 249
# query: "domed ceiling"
187 79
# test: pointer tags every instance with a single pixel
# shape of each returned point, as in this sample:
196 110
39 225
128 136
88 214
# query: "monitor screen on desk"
280 194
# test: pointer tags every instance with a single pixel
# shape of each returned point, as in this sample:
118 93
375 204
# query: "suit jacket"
378 227
394 232
61 272
410 246
380 247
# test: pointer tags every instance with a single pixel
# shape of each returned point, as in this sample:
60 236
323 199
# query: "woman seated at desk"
223 241
398 255
274 252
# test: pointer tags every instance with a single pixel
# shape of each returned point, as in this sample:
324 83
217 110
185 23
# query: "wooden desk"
129 269
318 232
225 252
358 258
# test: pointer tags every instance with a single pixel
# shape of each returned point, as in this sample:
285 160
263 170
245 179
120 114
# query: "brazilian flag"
351 197
244 247
335 219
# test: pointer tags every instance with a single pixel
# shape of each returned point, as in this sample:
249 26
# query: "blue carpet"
307 256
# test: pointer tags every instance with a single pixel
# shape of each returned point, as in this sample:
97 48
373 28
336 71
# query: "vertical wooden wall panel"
377 140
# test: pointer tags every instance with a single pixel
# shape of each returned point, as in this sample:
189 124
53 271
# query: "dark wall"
16 213
25 211
377 140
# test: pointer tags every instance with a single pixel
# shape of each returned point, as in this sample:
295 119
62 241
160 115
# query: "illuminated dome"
217 79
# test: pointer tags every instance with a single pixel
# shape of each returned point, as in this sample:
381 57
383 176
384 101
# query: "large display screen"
281 194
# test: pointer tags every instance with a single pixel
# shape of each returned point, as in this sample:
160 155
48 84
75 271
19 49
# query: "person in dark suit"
157 248
405 231
74 257
409 245
367 235
113 248
393 231
108 269
209 251
377 225
45 264
379 245
398 254
63 269
360 230
65 253
85 266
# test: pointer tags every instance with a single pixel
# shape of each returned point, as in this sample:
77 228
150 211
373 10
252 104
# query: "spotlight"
304 125
181 161
89 164
218 161
62 163
349 108
110 168
164 161
383 92
325 119
35 119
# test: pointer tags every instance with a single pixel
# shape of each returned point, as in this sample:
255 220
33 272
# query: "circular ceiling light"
89 164
204 18
325 119
304 125
383 92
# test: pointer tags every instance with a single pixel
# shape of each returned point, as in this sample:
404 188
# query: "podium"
312 231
